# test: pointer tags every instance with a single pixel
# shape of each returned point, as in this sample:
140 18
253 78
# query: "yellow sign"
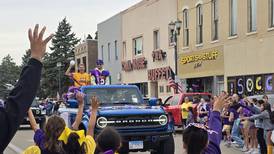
212 55
208 62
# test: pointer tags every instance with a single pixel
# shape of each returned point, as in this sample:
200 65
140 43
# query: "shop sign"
250 85
208 62
205 56
160 74
158 55
135 64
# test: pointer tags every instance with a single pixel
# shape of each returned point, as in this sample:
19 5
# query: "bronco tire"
166 147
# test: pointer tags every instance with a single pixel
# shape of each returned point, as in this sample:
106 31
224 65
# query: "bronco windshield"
114 95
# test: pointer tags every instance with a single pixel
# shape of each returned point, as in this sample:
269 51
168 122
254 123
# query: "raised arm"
216 125
67 73
93 115
80 99
21 97
32 121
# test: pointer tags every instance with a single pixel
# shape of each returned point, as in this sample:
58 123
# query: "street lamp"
59 64
175 32
175 27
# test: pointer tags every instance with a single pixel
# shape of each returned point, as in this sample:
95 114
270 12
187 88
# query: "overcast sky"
16 16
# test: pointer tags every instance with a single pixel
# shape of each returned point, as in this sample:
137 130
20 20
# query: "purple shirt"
214 139
226 120
39 138
234 111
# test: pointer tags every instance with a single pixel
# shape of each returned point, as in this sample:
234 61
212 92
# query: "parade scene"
137 77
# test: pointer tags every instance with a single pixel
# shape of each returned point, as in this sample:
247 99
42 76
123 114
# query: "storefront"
249 85
203 70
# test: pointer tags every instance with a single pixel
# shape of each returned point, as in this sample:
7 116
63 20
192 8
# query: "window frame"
116 50
199 24
85 62
232 31
134 46
251 16
161 89
185 28
271 13
214 20
109 52
102 52
156 39
124 49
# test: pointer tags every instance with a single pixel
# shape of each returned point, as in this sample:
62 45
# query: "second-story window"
252 15
108 51
185 28
233 6
199 24
124 50
138 46
102 52
271 13
116 50
156 39
215 20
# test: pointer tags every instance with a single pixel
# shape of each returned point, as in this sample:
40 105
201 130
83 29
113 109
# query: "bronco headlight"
163 120
102 122
43 112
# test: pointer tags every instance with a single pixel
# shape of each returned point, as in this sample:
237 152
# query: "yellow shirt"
32 150
82 78
90 143
185 110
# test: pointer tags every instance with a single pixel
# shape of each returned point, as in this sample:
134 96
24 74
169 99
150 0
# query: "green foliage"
9 74
62 48
25 58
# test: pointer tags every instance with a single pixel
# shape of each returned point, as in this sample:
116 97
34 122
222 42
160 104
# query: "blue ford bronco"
143 127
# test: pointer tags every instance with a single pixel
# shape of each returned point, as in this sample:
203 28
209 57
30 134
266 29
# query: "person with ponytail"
200 139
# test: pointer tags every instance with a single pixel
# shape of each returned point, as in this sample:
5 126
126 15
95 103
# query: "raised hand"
94 103
37 44
80 98
220 102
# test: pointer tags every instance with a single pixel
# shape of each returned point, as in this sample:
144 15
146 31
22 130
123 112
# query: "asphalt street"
23 139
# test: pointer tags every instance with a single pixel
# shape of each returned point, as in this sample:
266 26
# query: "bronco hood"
130 110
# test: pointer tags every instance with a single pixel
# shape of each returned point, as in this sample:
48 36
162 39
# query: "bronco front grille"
134 122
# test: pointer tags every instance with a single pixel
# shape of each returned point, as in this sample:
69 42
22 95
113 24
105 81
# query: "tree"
25 58
9 74
63 44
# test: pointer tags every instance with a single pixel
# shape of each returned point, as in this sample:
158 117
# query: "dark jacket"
19 101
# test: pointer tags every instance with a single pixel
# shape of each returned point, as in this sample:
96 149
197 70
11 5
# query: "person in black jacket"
21 97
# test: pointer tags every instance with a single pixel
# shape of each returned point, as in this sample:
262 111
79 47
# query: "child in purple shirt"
197 138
